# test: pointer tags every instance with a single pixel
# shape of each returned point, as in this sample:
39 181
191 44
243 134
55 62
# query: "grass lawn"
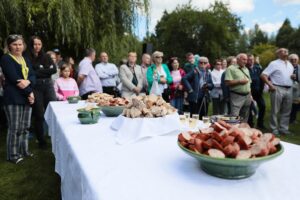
35 179
294 128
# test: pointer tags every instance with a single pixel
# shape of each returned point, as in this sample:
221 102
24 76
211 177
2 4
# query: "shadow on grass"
32 179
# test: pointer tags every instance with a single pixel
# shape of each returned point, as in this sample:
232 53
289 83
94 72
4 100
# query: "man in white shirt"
278 77
107 73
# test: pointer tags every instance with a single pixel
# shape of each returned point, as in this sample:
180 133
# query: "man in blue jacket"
197 83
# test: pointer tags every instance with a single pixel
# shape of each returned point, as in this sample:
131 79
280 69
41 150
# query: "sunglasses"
158 56
15 36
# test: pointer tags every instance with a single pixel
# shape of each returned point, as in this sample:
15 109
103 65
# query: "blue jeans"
178 104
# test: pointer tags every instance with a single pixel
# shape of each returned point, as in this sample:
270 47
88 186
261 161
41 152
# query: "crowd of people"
31 77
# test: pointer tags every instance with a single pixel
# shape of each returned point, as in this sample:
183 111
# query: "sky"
268 14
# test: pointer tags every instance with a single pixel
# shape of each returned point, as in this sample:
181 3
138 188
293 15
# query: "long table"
93 167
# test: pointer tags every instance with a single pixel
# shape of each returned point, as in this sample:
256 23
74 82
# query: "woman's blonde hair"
157 53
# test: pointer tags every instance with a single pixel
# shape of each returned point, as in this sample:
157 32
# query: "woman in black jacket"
18 96
44 90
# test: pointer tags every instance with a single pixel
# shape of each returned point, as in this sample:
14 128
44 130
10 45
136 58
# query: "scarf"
22 62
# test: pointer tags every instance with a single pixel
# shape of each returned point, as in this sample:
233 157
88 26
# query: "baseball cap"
57 51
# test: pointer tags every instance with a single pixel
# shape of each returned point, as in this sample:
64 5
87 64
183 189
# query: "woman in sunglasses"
18 98
159 72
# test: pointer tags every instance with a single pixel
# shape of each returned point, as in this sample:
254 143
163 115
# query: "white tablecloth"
92 166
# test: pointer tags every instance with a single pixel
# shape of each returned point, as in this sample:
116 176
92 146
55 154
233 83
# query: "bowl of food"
112 111
89 109
231 153
73 99
227 118
89 118
230 168
88 115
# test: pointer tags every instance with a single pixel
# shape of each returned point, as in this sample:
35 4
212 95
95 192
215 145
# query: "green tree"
265 52
74 25
294 44
257 36
212 32
243 43
284 34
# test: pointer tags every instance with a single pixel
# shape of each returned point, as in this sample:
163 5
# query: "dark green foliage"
213 32
284 34
257 36
73 25
294 44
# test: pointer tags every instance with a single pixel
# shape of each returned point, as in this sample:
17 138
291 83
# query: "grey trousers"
281 103
18 120
240 105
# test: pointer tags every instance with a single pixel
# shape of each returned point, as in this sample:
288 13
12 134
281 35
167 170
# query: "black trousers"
86 95
293 116
200 107
43 93
110 90
258 97
166 95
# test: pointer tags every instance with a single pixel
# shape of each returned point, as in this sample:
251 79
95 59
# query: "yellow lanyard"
23 64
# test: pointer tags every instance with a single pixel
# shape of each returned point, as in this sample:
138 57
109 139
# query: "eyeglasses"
203 62
158 56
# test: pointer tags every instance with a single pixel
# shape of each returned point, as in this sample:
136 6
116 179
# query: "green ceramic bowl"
230 168
73 99
83 110
89 117
112 111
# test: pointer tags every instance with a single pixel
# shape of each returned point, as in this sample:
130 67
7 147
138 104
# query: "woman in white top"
159 72
216 93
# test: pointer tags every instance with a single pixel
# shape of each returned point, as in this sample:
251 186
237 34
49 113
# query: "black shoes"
16 161
29 154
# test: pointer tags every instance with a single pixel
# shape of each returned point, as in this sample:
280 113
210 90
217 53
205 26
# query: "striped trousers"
18 121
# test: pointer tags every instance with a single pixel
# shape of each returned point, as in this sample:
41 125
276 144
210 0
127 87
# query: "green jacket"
150 72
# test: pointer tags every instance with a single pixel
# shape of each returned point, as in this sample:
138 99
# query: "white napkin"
133 129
